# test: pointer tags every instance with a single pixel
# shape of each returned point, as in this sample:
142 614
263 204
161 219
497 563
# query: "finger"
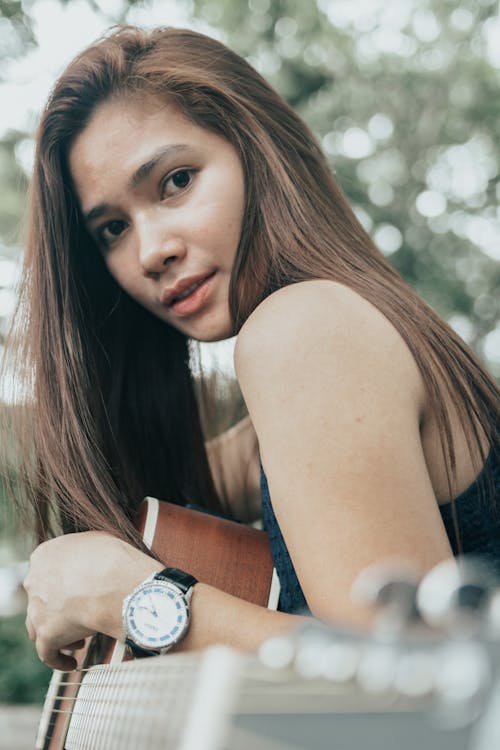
30 629
54 658
75 646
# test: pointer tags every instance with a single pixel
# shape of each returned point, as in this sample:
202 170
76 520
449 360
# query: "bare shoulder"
327 325
336 399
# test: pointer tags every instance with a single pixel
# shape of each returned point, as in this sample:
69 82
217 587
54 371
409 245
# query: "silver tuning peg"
391 587
456 594
493 627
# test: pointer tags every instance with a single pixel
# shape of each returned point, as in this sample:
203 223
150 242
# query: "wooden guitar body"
231 556
223 553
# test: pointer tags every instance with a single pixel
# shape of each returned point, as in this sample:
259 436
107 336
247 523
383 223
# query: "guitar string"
153 712
292 691
112 725
100 687
105 721
107 728
88 692
153 723
146 673
267 683
80 720
75 724
138 695
248 690
100 693
92 715
87 722
76 717
47 720
104 724
142 691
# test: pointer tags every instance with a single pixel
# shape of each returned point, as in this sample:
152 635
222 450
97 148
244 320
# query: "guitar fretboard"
154 703
166 701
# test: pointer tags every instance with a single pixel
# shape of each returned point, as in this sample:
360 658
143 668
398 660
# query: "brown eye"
111 231
181 179
176 182
115 228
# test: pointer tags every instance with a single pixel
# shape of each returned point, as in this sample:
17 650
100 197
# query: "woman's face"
164 200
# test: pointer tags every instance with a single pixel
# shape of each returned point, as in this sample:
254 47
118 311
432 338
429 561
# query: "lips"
169 295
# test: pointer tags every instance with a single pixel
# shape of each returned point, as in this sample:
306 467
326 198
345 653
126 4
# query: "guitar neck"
179 701
186 701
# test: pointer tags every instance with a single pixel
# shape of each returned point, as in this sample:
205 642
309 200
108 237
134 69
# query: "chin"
212 330
212 337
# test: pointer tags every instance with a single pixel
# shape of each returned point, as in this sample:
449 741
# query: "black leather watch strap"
181 579
139 652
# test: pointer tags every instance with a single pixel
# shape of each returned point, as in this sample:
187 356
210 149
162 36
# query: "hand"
76 585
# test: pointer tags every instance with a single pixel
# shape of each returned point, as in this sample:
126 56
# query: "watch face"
157 615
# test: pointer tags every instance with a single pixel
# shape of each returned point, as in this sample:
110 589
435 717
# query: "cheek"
232 203
223 217
122 273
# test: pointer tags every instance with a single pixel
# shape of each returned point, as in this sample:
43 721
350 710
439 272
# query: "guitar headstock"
434 643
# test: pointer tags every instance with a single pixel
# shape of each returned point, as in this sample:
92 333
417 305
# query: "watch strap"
183 580
139 652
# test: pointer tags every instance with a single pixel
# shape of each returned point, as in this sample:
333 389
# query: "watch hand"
153 610
143 606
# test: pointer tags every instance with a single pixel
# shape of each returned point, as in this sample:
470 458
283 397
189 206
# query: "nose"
158 248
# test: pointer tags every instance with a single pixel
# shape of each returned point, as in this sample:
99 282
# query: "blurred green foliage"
14 186
15 28
424 69
23 677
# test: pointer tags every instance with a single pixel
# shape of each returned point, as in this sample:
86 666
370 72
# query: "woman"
175 196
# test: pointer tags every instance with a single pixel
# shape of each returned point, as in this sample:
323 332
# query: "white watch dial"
157 615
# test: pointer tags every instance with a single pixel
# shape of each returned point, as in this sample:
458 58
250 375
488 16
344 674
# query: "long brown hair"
111 413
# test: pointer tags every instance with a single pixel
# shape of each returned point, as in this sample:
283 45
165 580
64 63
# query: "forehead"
117 125
123 134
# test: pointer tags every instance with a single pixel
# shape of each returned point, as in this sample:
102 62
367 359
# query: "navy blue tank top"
478 523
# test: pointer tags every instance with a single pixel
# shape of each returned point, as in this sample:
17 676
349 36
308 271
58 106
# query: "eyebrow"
140 174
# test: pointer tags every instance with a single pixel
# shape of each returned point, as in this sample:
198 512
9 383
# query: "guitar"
317 688
313 689
226 554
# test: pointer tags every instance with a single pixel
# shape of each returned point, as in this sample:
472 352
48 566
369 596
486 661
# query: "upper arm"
336 400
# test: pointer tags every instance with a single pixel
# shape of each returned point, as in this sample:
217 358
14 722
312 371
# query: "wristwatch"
156 614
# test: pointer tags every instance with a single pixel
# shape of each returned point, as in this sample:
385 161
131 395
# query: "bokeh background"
404 96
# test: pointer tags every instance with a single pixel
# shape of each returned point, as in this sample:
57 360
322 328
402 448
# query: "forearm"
217 617
95 572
